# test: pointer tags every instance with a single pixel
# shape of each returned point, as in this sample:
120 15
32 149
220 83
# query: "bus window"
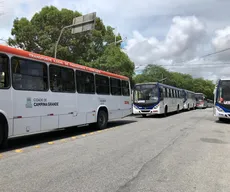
4 72
29 75
163 92
102 85
166 93
115 86
125 88
85 82
170 92
61 79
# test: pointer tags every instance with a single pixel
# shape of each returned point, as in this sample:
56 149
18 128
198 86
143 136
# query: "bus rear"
222 99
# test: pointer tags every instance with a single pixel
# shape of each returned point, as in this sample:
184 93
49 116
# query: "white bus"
201 101
40 94
156 98
222 99
189 99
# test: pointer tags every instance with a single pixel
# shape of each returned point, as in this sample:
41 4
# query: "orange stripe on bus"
52 60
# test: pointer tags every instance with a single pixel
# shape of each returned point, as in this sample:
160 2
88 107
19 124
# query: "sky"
172 33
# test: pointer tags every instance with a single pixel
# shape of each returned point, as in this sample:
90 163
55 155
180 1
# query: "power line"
214 53
203 56
190 65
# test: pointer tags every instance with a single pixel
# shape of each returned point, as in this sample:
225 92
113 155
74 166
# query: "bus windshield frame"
200 97
223 92
146 94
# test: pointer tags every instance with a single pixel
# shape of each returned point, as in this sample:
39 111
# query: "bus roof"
35 56
189 91
199 93
154 83
224 79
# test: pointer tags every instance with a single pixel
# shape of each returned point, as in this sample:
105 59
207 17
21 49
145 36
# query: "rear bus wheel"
3 138
178 109
102 119
166 111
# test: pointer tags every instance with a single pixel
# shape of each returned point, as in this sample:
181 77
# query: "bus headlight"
135 107
219 109
155 107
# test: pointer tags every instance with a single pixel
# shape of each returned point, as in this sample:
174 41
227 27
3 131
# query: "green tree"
115 61
40 34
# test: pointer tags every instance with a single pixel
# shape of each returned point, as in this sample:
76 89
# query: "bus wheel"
144 115
221 119
102 119
166 111
178 109
188 107
3 140
1 136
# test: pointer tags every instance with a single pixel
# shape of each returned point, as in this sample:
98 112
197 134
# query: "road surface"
185 152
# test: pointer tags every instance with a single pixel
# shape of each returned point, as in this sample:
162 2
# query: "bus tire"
166 111
178 109
102 119
188 108
221 119
3 134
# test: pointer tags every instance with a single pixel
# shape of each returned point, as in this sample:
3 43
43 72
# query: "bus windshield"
224 92
145 94
199 97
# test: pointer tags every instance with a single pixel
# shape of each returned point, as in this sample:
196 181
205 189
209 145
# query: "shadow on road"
31 140
159 116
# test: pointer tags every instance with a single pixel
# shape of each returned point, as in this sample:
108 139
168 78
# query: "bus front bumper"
145 111
221 114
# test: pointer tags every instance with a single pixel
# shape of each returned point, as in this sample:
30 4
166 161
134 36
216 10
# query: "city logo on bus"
28 102
39 102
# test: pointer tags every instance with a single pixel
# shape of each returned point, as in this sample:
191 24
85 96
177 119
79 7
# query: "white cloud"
180 42
165 32
221 41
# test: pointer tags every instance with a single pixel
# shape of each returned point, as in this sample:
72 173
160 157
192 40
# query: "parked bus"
156 98
201 101
189 99
210 103
222 99
40 93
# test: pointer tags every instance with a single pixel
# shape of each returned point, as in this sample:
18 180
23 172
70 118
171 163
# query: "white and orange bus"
40 94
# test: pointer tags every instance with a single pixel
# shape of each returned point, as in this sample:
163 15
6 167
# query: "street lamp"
115 40
80 24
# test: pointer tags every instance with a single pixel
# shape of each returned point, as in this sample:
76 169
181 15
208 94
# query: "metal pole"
55 51
115 36
69 26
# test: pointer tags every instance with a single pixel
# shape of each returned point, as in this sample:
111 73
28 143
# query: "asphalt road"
185 152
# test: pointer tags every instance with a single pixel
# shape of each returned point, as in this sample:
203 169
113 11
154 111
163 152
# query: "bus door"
126 105
5 91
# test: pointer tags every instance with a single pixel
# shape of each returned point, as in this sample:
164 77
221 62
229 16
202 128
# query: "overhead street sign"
84 23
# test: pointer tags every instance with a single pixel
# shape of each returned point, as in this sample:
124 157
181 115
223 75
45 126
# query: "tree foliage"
155 73
115 61
40 34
